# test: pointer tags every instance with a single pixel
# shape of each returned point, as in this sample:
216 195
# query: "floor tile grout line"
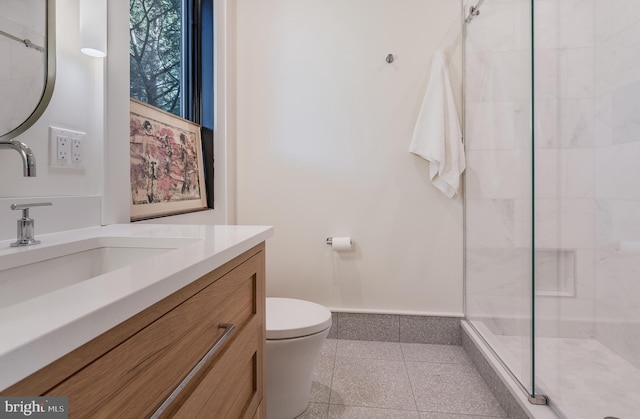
413 393
375 407
475 415
437 363
411 383
333 373
402 351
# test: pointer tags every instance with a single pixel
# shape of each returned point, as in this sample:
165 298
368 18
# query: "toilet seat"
289 318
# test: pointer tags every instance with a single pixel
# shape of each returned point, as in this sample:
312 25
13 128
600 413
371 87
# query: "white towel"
437 136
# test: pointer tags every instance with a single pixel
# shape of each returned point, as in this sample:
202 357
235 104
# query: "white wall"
323 128
340 153
117 183
76 104
87 93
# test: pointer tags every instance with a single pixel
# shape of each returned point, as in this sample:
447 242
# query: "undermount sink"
41 270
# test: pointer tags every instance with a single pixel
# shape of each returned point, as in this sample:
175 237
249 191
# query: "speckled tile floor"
369 380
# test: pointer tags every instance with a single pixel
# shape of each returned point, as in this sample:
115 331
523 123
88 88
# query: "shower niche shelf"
555 272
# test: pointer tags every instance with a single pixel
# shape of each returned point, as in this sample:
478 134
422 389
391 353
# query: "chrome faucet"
26 224
28 158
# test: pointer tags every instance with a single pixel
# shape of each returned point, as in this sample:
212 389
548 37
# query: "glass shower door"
498 188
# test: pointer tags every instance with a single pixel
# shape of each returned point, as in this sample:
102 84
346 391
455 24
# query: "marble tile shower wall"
587 148
579 44
617 173
564 90
498 175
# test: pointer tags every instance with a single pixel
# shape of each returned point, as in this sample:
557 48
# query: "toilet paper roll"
341 244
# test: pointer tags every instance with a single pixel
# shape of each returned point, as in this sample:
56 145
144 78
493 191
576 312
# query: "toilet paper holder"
329 241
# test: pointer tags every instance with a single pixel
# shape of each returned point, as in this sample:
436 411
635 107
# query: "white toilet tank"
296 330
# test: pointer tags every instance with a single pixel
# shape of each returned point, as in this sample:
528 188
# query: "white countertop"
38 331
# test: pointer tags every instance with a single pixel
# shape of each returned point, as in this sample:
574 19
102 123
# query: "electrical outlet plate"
66 148
62 148
77 152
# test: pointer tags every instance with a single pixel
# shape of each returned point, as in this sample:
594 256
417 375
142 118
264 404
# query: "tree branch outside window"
155 52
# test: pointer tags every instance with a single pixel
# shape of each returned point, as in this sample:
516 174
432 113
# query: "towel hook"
389 58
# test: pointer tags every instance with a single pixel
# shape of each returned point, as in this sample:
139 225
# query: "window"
171 63
156 53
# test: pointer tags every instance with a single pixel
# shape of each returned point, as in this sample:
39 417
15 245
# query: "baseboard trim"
384 327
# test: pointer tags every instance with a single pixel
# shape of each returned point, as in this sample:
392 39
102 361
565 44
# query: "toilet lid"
291 318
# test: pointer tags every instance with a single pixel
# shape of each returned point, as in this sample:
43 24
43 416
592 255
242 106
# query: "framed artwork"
167 173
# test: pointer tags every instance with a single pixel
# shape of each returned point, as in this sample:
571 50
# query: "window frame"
197 74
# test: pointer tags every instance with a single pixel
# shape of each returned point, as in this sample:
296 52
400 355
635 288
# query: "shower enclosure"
552 201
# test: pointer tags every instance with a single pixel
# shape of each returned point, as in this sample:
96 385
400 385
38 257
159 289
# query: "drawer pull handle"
229 329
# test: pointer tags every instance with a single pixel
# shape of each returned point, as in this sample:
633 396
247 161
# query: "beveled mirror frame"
47 92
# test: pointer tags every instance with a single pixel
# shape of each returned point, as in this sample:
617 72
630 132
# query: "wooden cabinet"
197 353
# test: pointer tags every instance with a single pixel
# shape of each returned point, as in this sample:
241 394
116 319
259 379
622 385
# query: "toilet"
296 330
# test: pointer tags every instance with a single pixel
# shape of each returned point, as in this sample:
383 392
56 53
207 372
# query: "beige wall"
323 128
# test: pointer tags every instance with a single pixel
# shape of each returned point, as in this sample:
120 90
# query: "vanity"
177 331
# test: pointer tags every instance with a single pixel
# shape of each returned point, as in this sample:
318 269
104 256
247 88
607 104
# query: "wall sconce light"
93 27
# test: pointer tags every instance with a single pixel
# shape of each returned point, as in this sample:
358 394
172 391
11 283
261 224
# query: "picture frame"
166 163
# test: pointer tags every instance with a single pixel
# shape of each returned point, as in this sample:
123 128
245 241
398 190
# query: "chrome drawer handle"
229 329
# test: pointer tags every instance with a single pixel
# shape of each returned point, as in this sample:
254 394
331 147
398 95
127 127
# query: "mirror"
27 68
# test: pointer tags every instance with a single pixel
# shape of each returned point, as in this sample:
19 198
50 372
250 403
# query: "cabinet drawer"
230 387
134 378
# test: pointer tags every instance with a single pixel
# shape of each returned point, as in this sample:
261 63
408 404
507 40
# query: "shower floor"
582 377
